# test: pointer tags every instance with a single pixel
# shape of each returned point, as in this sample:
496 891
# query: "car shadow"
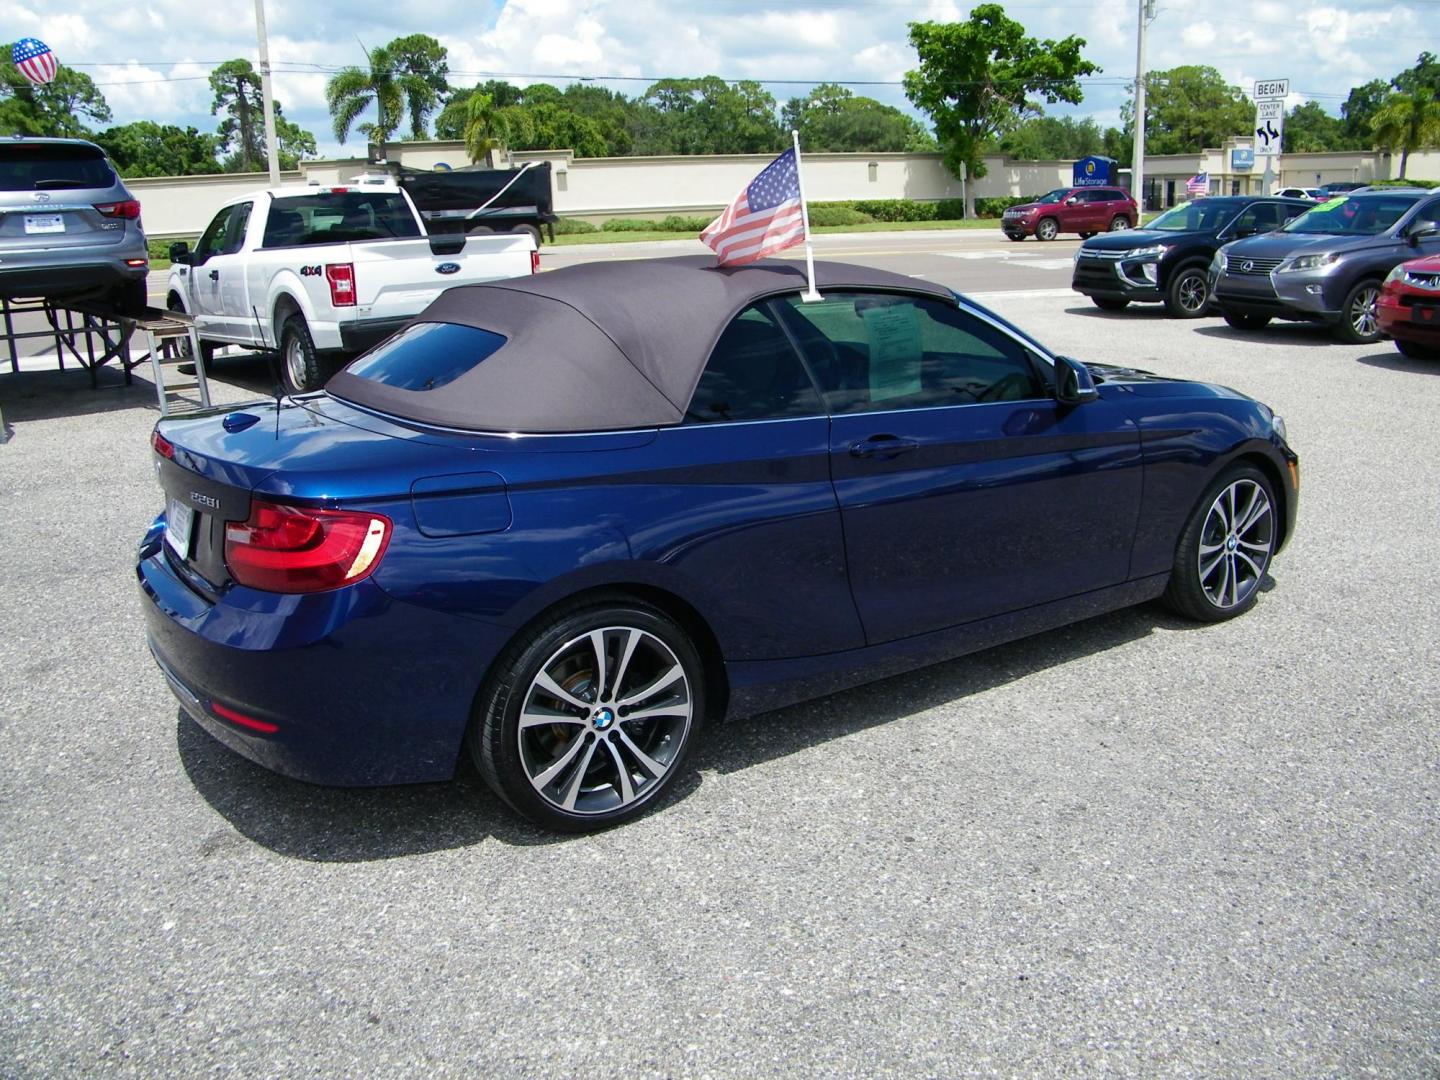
1282 333
324 824
1394 360
57 395
1131 312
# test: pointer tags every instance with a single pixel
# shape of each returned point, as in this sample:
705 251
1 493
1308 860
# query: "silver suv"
69 228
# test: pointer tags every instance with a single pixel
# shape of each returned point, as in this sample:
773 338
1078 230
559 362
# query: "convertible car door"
965 489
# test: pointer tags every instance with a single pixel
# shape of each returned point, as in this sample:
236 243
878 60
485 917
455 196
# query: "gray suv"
1327 265
69 228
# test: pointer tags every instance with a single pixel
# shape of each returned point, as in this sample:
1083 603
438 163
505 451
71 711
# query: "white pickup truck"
317 272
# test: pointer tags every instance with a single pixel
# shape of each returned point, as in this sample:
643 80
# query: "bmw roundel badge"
448 268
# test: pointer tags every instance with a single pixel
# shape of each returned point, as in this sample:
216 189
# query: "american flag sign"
1199 184
764 218
35 60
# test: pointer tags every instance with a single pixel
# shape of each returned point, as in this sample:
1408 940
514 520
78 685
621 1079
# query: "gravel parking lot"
1133 847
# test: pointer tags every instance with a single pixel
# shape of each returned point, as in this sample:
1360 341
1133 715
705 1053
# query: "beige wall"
601 188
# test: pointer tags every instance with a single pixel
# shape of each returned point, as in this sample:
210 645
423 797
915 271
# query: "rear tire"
1189 293
1246 322
1358 323
1119 223
532 230
591 767
1047 229
481 229
299 363
1225 550
1110 303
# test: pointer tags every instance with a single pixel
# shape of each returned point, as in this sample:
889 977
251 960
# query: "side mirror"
1073 383
1422 234
180 252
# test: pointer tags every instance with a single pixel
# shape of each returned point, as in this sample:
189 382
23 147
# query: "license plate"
179 520
43 223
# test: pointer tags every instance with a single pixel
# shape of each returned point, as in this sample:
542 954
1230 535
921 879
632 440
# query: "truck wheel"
300 366
207 348
1047 229
479 229
532 230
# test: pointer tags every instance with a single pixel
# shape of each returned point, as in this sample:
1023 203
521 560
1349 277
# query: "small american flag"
35 60
1199 184
764 218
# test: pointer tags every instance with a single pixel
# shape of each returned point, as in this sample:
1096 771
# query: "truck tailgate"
399 278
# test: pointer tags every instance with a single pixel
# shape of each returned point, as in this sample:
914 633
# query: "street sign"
1272 88
1269 127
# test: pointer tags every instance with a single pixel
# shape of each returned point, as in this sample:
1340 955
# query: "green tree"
395 81
833 119
1190 108
1407 122
237 94
145 148
58 109
1425 75
1050 138
975 79
1359 109
706 116
1309 129
424 63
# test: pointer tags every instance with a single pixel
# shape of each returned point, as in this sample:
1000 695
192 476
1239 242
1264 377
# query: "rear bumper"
360 689
58 282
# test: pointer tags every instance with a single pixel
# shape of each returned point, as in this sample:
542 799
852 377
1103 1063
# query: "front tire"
207 348
1242 321
1225 549
1047 229
1358 323
587 719
299 363
1189 293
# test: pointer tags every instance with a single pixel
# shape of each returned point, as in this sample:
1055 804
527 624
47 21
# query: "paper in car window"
895 350
1331 204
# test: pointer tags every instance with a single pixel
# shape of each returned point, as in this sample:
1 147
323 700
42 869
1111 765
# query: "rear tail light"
127 209
162 446
341 277
534 262
298 549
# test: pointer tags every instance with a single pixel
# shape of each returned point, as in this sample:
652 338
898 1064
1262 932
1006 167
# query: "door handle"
214 275
883 446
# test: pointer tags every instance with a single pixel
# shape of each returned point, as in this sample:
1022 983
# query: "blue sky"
152 62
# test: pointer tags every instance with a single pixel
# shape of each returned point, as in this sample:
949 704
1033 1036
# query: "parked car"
1312 194
1409 308
325 272
1327 265
1168 260
69 227
1340 187
1083 210
564 521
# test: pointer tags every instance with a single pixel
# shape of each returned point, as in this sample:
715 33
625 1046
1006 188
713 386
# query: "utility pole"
1137 171
272 147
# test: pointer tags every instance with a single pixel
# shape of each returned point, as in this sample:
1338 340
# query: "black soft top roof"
600 346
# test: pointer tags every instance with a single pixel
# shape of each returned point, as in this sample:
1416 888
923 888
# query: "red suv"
1409 308
1083 210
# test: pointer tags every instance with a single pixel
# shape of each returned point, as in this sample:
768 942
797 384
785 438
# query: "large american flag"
35 60
1199 184
764 218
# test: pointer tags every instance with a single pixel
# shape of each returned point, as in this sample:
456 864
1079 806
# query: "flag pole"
810 295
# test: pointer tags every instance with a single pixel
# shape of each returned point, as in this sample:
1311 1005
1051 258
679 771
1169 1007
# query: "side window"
212 240
753 374
235 232
1258 218
1292 212
1427 218
874 351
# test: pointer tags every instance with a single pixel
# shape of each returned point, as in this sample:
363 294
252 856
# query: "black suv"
1166 262
1327 265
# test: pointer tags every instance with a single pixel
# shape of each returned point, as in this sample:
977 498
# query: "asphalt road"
1133 847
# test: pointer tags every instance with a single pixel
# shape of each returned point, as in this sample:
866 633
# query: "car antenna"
274 364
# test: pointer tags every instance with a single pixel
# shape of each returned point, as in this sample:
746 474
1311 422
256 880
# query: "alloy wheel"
1046 230
1192 292
1119 224
1236 544
1362 314
603 720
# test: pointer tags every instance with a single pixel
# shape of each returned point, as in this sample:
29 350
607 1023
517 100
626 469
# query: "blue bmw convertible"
560 522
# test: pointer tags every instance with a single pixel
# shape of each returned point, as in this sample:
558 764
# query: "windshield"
1054 196
56 167
1200 216
329 217
1355 215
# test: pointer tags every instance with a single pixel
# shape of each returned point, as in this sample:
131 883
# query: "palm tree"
1408 121
484 127
390 85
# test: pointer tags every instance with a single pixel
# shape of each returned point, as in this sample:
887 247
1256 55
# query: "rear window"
329 217
426 355
40 167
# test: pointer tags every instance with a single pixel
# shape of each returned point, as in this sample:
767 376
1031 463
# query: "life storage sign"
1094 172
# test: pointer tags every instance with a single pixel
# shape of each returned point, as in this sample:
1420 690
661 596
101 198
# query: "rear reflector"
162 445
127 209
299 549
242 720
341 277
136 262
534 262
